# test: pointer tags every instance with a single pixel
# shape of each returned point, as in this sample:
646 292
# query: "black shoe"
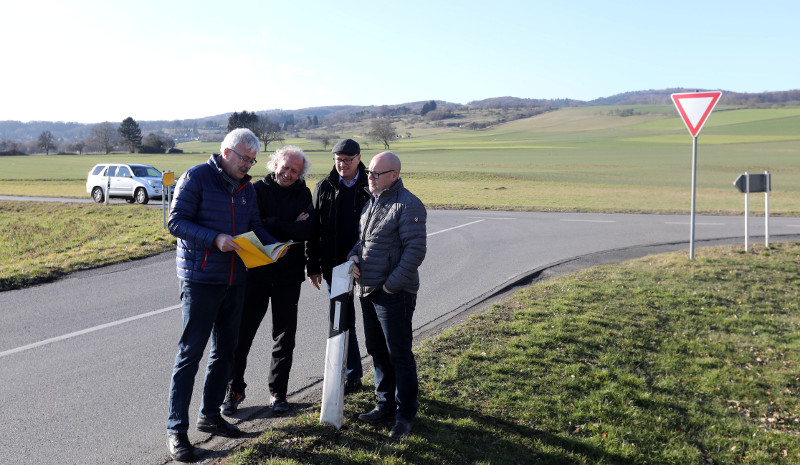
180 448
217 425
376 415
400 429
280 404
232 401
352 385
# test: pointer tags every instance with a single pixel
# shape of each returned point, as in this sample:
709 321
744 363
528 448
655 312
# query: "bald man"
391 247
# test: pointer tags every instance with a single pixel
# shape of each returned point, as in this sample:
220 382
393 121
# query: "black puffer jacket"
279 208
323 251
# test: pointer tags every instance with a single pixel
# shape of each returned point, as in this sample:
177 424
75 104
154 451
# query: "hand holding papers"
342 279
254 253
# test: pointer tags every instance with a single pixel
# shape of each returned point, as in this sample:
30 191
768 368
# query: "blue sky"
91 61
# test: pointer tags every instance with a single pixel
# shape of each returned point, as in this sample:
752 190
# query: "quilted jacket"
392 242
205 205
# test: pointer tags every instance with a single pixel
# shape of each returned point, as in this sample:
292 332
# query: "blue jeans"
354 369
388 336
209 311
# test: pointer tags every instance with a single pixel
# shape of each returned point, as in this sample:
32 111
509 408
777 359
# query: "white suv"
134 183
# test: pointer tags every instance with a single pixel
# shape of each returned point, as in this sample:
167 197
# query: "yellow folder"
254 253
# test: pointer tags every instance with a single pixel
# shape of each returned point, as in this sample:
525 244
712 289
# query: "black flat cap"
347 147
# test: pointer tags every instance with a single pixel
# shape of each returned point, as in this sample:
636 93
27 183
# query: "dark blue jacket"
205 205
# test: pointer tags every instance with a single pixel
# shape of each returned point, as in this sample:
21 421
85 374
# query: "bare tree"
47 142
383 131
267 130
77 146
105 135
326 141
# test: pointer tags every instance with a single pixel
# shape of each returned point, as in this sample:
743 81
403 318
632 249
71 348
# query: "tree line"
103 137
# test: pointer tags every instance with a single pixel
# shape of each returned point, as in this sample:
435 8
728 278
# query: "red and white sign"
695 107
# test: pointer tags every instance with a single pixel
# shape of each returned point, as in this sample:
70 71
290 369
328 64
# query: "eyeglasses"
344 161
251 161
376 174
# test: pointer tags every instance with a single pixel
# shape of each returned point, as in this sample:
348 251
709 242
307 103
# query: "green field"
572 159
661 360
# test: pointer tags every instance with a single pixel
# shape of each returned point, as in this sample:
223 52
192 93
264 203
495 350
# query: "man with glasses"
391 247
213 202
338 201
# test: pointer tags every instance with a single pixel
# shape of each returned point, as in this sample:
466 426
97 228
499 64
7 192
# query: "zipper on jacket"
205 259
233 228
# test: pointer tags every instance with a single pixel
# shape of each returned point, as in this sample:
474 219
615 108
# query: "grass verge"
660 360
40 241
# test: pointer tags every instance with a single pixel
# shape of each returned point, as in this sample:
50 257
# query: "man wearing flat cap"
338 200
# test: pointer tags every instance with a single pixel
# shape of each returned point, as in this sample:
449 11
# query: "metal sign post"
747 183
167 180
766 209
694 109
694 194
746 211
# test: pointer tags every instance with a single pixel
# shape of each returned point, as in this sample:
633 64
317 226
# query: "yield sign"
695 107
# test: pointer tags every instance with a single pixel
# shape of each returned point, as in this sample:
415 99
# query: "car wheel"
97 194
141 196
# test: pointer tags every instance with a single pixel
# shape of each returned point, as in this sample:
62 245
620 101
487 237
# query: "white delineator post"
766 209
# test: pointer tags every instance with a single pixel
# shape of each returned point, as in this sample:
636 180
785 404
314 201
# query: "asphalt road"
85 362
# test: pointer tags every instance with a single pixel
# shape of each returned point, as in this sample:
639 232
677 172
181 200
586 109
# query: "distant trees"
288 122
156 143
131 133
9 147
383 131
265 129
245 119
105 135
47 142
429 106
77 146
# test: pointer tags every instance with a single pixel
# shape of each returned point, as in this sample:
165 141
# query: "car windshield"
145 172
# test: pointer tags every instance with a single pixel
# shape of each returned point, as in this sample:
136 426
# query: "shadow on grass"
479 437
444 433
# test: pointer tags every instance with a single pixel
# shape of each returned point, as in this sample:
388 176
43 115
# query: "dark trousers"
388 337
209 312
258 296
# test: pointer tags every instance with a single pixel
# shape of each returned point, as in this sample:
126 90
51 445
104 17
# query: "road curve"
86 360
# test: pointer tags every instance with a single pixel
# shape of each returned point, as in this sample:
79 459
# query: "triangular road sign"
695 107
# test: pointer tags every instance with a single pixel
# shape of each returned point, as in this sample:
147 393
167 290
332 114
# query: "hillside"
331 120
